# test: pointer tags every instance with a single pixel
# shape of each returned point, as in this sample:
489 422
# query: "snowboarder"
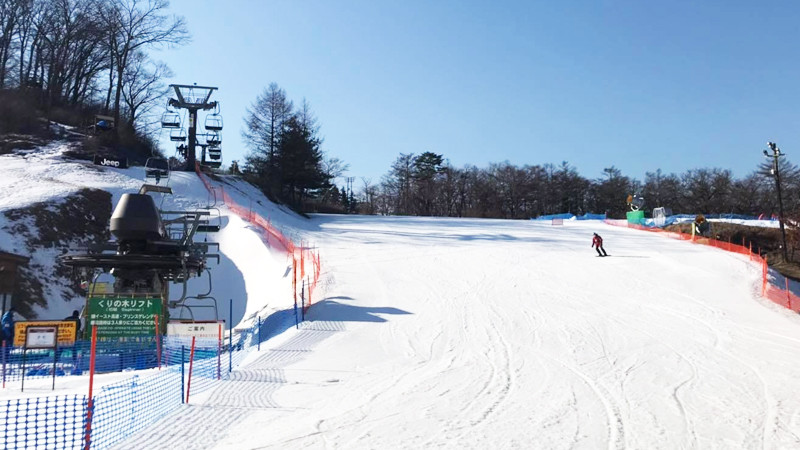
8 327
597 243
77 319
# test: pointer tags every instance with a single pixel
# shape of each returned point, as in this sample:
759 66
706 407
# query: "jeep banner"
119 163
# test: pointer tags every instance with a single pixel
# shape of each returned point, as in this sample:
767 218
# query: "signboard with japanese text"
41 337
124 317
66 331
200 330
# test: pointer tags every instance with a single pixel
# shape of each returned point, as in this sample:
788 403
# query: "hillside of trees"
68 60
426 184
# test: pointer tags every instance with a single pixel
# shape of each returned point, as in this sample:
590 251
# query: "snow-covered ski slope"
462 333
467 333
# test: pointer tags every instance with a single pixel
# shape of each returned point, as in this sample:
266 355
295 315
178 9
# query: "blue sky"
639 85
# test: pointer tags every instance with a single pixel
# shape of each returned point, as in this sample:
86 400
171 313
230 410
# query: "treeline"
427 185
86 55
286 160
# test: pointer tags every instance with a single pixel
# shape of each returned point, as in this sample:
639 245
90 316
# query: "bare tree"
143 88
264 123
10 11
134 25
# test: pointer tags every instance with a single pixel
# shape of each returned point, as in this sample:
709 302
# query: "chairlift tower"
193 98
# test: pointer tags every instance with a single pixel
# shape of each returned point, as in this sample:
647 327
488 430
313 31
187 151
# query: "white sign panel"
200 330
41 337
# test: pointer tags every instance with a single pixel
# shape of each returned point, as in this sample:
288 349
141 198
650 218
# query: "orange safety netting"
273 238
782 296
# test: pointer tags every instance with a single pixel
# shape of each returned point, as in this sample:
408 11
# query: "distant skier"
597 243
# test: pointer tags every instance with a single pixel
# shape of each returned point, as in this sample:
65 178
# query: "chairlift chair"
214 122
156 168
170 119
213 139
177 135
214 153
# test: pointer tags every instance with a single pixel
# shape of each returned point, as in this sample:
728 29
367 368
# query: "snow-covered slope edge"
249 277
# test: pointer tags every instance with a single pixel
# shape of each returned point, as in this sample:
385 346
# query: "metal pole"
190 156
191 362
183 359
230 338
259 333
4 304
55 360
780 210
24 353
90 405
158 342
776 153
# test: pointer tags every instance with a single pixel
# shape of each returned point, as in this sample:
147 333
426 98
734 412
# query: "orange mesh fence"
273 238
778 293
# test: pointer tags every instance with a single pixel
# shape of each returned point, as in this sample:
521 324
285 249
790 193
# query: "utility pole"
350 199
776 153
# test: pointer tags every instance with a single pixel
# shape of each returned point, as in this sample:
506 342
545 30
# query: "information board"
124 317
66 331
200 330
41 337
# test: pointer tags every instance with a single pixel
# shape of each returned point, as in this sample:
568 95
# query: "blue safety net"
43 422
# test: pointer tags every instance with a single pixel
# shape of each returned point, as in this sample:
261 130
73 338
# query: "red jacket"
597 241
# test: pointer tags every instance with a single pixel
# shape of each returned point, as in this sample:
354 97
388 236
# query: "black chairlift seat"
208 228
215 153
170 119
157 168
214 164
213 122
213 139
178 135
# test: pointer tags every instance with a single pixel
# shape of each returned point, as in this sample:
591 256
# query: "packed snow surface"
467 333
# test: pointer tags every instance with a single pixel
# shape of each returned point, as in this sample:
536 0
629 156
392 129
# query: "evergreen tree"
299 161
264 124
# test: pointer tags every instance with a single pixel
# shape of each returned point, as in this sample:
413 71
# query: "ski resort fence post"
4 364
230 338
788 294
294 289
219 351
183 379
191 362
90 402
258 345
303 302
158 343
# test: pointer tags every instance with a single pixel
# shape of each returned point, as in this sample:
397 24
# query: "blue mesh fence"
128 406
569 216
112 356
43 422
122 408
